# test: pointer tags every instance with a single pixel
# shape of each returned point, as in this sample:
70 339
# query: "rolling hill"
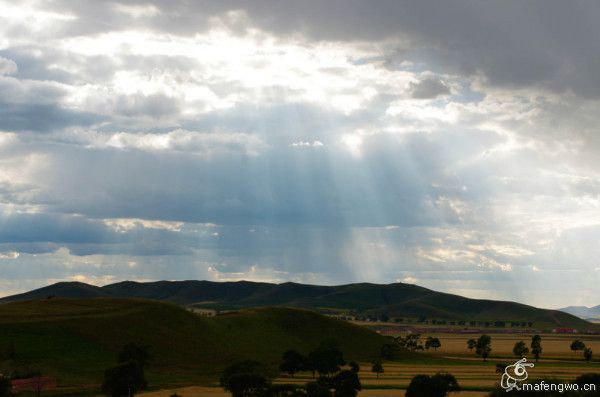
77 339
394 300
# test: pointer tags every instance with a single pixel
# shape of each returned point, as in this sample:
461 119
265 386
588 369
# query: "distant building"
37 383
203 312
564 331
345 317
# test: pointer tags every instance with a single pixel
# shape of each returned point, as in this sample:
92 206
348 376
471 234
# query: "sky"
453 145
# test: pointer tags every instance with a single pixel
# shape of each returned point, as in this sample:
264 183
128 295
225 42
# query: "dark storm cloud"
41 117
46 232
551 44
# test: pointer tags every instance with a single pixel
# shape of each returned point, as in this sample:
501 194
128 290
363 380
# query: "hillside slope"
76 339
395 300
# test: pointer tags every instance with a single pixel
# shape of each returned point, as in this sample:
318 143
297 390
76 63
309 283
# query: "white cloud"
307 144
9 255
7 66
206 144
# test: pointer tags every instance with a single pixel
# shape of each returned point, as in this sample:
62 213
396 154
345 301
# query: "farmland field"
475 376
554 346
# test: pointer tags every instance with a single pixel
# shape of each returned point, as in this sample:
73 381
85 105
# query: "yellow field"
471 372
398 375
554 346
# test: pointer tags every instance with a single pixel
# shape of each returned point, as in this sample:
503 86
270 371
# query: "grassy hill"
76 339
395 300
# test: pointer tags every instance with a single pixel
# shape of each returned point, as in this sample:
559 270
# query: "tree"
245 378
438 385
292 362
536 346
134 352
577 345
354 367
413 342
432 342
483 346
471 344
326 359
377 368
5 387
587 354
520 349
346 384
124 380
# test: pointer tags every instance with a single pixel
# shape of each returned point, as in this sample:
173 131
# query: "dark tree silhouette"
520 349
438 385
471 344
346 384
326 359
246 378
587 354
124 380
484 346
354 367
432 342
292 362
577 345
536 346
377 368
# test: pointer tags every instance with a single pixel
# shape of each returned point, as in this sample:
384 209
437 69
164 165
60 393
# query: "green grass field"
75 340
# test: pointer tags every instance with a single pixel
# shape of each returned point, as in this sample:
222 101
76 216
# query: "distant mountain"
584 312
394 300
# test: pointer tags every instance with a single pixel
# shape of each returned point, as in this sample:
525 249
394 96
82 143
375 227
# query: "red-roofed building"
33 384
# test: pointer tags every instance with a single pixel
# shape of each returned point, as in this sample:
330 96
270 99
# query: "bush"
438 385
246 378
123 380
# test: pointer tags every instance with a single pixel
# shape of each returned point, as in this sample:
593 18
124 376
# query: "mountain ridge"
396 300
583 312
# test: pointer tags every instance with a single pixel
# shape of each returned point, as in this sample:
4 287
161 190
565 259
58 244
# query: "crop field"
554 346
475 377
